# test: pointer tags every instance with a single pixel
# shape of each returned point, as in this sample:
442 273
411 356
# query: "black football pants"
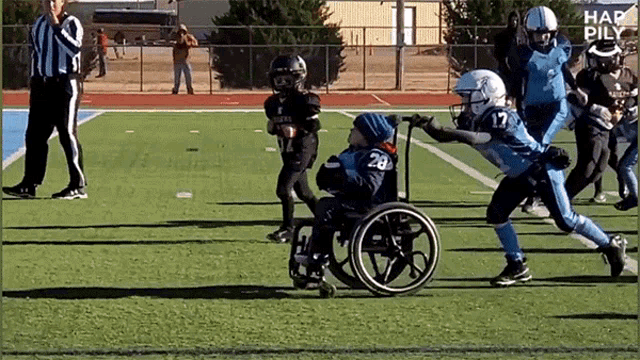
53 104
593 154
296 180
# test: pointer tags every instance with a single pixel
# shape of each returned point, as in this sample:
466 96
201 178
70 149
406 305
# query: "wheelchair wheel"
340 266
395 249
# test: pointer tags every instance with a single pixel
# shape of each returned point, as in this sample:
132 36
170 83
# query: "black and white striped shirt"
56 49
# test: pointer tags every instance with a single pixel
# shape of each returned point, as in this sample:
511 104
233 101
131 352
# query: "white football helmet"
541 25
480 90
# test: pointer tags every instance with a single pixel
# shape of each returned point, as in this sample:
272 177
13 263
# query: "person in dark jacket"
505 47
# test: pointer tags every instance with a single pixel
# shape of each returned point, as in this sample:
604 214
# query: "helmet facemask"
479 91
287 74
471 107
606 57
542 40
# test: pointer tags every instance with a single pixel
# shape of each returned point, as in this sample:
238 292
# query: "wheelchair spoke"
387 270
374 264
413 266
389 229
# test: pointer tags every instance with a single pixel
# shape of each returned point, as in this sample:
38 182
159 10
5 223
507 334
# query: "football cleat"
70 193
627 203
282 235
23 191
515 271
312 259
598 198
614 254
531 204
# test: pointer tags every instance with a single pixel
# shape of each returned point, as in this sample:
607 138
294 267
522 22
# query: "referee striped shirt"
56 49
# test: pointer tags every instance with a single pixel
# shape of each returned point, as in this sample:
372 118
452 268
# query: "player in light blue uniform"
544 70
487 124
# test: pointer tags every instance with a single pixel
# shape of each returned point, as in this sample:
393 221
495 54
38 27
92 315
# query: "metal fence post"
141 66
475 47
250 57
364 58
210 71
326 68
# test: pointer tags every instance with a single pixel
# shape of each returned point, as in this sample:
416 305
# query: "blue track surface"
14 125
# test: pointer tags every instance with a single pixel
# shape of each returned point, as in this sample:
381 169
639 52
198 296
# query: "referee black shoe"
70 193
24 191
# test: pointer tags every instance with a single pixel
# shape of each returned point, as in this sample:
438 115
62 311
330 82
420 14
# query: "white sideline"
22 150
631 264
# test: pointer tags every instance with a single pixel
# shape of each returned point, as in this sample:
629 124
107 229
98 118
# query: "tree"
467 22
15 50
250 22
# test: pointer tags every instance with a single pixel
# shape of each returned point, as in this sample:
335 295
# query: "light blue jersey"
545 81
511 148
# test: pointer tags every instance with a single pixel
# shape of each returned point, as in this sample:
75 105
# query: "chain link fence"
369 63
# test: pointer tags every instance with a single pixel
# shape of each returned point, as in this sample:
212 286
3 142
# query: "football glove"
271 127
558 157
331 175
600 112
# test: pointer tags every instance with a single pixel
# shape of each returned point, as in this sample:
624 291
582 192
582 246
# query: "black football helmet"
287 73
605 55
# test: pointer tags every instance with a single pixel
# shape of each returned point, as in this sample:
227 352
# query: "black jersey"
294 120
606 90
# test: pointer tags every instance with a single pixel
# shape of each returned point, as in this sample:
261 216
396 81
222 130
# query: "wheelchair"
393 249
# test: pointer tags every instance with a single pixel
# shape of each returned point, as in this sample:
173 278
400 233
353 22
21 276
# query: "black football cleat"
70 193
23 191
514 272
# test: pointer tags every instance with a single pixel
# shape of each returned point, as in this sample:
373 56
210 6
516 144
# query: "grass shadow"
234 292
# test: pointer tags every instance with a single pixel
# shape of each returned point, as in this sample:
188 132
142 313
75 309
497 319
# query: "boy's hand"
421 121
331 175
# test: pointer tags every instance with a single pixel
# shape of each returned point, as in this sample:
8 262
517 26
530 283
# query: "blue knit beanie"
376 128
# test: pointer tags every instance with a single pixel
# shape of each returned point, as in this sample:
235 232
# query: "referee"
56 40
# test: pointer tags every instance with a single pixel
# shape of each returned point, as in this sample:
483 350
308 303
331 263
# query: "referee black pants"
593 154
53 104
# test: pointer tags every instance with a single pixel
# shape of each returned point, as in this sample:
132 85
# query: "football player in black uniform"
293 118
609 87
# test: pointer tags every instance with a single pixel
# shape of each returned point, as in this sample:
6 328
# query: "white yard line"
22 150
631 265
380 100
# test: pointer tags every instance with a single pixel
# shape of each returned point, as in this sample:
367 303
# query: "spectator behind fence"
505 47
103 42
121 42
181 64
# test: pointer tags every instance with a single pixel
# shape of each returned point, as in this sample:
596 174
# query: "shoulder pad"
312 99
498 118
564 44
269 100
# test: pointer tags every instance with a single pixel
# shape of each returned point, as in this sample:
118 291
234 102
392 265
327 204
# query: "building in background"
423 21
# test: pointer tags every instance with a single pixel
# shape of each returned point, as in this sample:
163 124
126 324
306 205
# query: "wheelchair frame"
385 234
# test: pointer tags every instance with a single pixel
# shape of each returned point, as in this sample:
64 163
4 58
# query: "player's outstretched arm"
448 134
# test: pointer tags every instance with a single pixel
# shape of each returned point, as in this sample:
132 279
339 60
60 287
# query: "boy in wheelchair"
358 179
